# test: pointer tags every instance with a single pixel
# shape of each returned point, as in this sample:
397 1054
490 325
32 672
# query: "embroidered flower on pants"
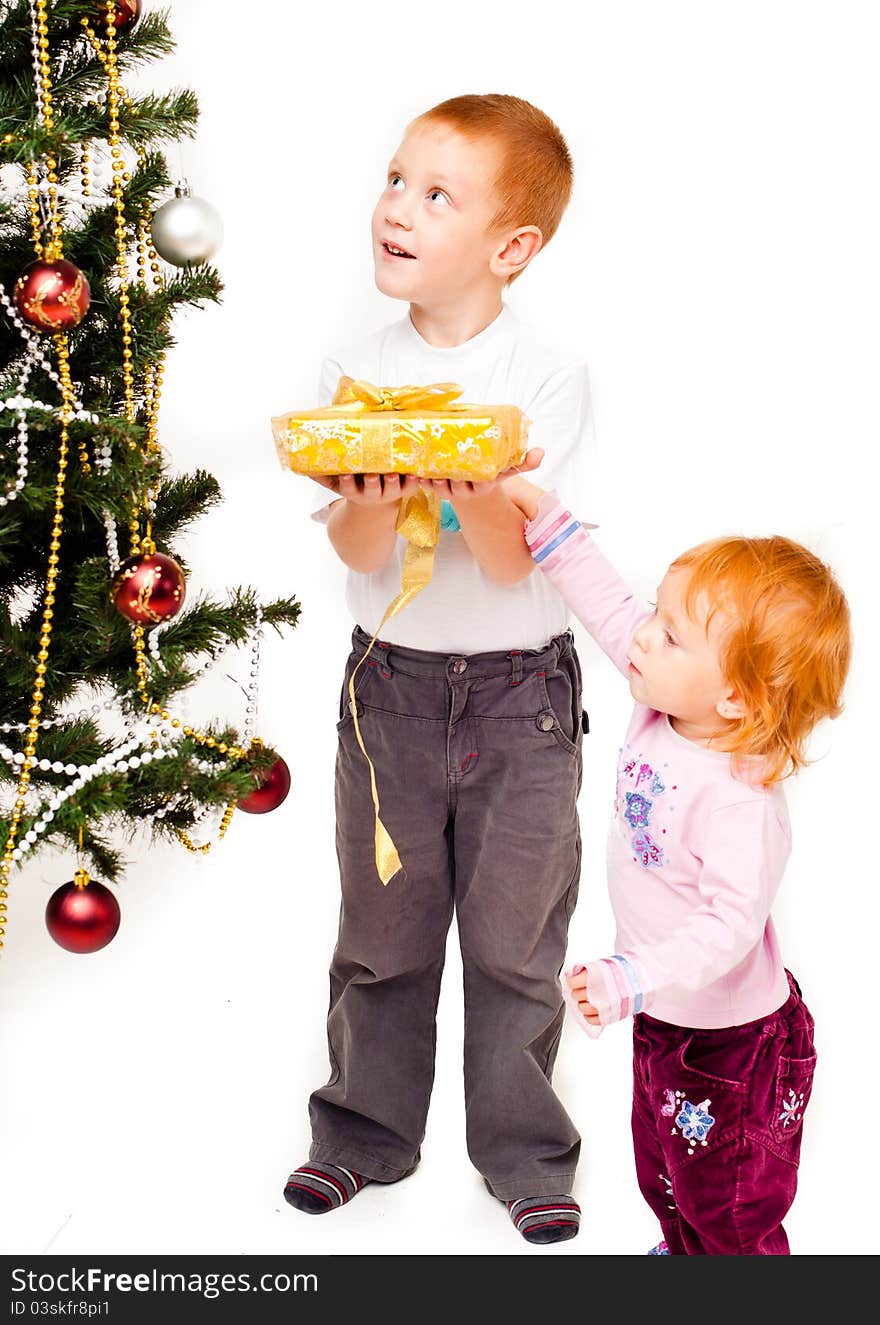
638 810
791 1108
694 1120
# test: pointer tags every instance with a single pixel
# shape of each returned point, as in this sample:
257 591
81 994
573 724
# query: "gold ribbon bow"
363 395
356 396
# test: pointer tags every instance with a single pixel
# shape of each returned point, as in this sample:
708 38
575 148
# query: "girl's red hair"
786 644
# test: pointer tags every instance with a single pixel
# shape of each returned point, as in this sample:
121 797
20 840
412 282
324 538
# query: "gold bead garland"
49 251
36 709
152 392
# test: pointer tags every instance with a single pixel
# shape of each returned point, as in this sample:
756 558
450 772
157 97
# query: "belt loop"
384 658
515 656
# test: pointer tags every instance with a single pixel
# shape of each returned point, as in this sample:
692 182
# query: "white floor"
155 1095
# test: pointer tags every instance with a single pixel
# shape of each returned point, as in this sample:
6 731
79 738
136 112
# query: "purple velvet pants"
717 1119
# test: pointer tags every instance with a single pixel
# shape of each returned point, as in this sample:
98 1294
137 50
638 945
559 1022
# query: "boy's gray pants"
478 767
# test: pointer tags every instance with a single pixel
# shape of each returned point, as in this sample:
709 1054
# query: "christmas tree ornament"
51 295
83 915
186 229
271 790
149 587
61 766
125 14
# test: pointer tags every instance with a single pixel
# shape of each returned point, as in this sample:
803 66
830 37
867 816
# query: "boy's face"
431 238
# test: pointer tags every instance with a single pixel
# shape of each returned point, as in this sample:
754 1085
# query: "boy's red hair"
534 181
786 645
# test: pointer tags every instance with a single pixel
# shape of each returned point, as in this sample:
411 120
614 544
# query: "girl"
745 650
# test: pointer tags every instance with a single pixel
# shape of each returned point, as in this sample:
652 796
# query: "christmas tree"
96 641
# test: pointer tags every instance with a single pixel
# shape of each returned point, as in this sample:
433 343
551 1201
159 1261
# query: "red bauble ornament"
148 588
82 916
272 788
51 296
126 13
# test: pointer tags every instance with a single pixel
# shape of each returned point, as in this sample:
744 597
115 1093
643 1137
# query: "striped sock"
546 1218
316 1187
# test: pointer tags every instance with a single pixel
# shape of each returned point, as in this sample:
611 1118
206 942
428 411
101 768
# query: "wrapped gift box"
422 430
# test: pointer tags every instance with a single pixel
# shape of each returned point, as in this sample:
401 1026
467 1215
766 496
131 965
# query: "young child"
470 705
745 650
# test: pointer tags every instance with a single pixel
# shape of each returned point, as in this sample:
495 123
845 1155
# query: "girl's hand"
462 490
577 983
369 489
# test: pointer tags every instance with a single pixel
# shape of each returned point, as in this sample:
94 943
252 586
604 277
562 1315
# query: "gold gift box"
422 430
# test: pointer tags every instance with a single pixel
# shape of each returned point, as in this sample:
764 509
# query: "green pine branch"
91 654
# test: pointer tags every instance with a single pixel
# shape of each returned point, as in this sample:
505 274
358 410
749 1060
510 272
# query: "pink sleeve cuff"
571 1002
615 987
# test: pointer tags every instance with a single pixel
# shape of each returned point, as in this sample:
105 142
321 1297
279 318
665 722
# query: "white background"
718 268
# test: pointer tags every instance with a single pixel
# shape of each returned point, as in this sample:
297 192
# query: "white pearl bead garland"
142 737
35 57
120 760
145 740
38 351
20 404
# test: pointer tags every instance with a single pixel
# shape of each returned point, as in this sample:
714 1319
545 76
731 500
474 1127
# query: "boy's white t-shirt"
508 363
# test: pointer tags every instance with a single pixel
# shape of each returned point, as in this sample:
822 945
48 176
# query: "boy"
472 713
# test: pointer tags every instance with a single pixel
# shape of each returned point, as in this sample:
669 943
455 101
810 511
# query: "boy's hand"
369 489
462 490
577 983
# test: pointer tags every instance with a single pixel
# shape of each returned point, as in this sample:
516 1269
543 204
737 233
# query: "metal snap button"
546 722
460 665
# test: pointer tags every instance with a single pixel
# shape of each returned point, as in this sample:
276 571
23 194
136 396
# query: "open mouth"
632 667
396 252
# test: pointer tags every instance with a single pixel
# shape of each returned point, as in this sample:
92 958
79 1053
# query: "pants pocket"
794 1085
561 694
698 1112
345 714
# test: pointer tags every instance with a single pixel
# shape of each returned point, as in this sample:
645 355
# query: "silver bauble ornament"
186 229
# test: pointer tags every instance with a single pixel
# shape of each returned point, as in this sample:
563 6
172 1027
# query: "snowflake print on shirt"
640 806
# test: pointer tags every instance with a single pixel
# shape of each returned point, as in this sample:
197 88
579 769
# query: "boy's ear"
731 706
516 252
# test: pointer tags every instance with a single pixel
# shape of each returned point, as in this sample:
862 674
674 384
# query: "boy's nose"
399 216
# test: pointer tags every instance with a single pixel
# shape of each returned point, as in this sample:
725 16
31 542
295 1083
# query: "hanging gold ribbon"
418 520
383 430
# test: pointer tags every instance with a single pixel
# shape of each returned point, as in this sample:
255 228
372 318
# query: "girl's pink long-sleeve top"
695 854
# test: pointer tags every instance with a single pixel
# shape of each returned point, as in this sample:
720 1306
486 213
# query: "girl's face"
674 664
